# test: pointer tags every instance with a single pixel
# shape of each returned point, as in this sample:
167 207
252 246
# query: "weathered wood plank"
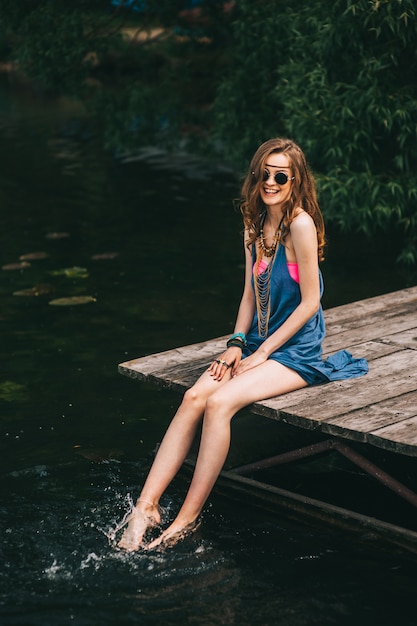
370 350
359 423
406 338
370 306
359 330
400 437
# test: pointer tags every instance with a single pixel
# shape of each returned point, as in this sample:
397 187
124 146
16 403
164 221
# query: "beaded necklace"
262 282
269 251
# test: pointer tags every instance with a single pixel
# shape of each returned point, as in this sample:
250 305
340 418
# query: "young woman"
276 344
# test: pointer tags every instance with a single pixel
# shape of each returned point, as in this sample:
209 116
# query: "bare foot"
138 523
173 534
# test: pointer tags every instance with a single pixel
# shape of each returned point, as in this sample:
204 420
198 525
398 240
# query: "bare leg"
170 456
267 380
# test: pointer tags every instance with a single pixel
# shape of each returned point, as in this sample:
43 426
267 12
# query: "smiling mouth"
271 192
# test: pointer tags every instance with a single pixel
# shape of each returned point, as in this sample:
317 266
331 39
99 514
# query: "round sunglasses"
280 178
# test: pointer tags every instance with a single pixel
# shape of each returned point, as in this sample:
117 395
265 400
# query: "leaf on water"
57 235
16 266
33 256
25 292
105 255
71 272
71 300
11 391
37 290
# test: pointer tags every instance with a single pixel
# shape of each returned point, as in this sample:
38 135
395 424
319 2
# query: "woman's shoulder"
301 220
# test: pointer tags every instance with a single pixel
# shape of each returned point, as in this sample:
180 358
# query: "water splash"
57 571
112 532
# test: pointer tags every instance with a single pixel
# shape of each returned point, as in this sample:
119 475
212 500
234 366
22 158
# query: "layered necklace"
262 282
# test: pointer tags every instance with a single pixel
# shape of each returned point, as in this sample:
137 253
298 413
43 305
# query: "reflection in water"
159 242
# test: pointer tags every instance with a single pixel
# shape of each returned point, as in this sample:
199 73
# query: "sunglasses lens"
281 178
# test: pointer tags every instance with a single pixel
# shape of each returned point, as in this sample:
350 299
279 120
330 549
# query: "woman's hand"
249 362
229 360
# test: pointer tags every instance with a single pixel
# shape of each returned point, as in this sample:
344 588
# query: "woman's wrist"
237 340
238 337
265 350
235 344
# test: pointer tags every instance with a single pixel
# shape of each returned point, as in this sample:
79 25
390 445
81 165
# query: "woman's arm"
232 356
247 304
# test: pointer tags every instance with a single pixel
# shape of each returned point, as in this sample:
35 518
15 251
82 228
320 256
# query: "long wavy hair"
303 193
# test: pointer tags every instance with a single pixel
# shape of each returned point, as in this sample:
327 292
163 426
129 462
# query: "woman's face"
274 193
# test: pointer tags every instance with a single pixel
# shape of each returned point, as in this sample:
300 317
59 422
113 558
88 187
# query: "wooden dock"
378 409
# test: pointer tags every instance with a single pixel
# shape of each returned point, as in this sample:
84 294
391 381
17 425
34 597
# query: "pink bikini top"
292 269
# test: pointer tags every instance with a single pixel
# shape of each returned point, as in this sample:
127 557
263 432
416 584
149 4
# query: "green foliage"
247 110
341 77
61 63
14 13
12 392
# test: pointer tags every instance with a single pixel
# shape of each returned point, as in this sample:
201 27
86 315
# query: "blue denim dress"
303 352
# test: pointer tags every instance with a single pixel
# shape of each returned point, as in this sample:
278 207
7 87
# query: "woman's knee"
208 402
217 406
194 399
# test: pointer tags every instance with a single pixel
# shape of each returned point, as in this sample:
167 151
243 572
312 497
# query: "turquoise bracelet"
240 336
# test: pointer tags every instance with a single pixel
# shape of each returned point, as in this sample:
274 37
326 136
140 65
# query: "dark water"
158 244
